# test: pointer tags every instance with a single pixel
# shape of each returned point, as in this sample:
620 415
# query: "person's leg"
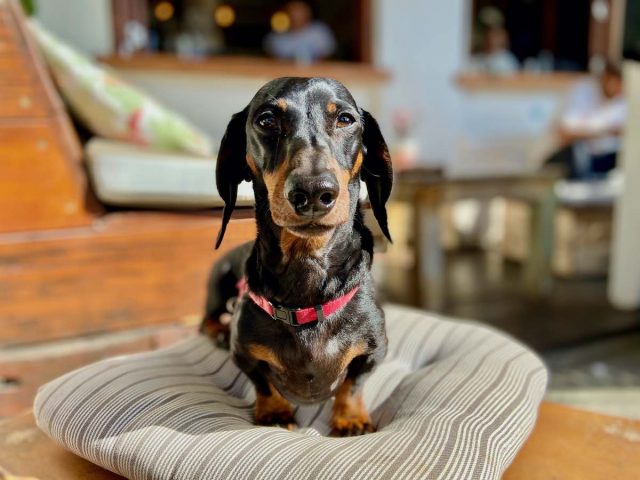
565 159
582 162
603 164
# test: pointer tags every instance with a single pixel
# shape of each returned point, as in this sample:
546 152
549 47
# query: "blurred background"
516 197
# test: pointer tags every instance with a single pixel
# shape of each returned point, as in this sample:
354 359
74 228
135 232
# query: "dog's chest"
326 348
317 344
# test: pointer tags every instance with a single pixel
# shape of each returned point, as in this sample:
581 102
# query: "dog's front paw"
350 416
351 425
274 411
282 419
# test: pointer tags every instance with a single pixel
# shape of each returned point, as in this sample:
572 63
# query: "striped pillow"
452 400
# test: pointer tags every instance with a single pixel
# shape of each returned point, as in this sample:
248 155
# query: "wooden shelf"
519 82
248 67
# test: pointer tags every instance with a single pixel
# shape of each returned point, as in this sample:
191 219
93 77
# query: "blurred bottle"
543 63
546 60
405 149
135 38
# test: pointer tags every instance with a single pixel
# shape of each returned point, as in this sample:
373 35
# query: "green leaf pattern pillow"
111 108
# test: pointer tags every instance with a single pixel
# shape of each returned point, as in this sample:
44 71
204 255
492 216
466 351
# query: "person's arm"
606 121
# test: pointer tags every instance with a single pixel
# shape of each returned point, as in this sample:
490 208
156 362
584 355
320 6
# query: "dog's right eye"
267 121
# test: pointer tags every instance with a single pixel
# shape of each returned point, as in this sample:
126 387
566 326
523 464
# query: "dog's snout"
312 195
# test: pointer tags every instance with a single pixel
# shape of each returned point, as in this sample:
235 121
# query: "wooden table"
429 190
566 444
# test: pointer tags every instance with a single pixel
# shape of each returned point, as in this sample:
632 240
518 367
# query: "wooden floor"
565 444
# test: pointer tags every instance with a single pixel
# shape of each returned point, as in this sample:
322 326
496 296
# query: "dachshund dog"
307 325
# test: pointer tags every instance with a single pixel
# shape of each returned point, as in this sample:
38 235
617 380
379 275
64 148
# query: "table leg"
429 254
537 270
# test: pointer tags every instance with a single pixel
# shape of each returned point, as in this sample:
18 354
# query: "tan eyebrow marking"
282 104
331 107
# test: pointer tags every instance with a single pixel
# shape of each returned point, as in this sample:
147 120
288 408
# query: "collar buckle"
285 315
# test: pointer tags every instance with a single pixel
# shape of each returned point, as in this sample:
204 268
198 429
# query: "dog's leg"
221 292
273 409
350 417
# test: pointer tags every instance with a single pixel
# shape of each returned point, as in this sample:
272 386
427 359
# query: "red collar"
296 316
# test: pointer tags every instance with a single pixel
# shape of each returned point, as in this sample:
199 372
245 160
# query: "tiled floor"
484 287
621 402
592 349
603 375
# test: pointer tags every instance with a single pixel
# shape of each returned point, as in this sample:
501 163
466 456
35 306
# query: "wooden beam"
599 33
252 67
42 184
126 270
366 30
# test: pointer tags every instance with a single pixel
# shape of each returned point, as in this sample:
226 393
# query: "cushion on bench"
452 400
135 176
128 175
111 108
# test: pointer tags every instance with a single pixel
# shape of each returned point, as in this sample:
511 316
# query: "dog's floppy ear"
376 169
231 167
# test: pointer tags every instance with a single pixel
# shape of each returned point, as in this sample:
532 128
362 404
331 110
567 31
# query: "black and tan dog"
307 326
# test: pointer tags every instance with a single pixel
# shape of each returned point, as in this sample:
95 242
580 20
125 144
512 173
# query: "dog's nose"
312 195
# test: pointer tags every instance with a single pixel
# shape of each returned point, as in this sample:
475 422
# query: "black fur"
306 134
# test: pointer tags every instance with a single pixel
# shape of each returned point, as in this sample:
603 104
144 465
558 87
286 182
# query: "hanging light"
280 22
164 11
224 16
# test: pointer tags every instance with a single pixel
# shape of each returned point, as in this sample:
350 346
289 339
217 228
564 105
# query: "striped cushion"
452 400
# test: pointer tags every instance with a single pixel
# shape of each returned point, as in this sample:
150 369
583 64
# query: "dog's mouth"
310 229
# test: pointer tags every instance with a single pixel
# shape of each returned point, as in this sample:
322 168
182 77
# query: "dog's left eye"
267 121
344 120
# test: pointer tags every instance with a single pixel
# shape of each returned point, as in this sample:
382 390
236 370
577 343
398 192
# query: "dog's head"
308 144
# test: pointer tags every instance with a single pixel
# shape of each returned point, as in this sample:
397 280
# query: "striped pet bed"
453 400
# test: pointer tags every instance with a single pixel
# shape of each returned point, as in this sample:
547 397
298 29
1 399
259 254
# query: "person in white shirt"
306 40
590 137
495 58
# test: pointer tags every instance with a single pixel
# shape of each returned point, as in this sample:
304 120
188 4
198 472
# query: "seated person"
495 58
590 139
306 40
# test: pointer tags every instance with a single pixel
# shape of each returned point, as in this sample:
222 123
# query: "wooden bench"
70 269
566 444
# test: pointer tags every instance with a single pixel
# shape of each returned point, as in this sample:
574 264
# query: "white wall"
624 278
424 43
208 101
86 24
